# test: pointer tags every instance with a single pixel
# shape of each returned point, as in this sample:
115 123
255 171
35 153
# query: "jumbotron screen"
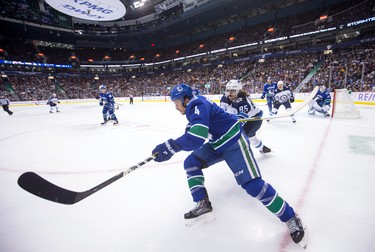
103 10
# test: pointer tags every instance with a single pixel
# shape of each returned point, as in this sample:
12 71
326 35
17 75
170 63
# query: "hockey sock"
254 141
195 178
266 194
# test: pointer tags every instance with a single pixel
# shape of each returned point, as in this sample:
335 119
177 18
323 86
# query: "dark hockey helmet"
181 92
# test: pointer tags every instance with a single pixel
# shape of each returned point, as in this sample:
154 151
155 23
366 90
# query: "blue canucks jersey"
209 121
269 89
107 97
323 98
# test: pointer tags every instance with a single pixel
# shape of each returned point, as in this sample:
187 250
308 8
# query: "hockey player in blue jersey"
226 142
321 102
52 102
268 93
108 102
238 102
283 96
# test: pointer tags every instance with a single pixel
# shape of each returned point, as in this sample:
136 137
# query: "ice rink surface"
323 167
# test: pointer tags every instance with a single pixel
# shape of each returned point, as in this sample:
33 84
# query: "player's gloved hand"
326 107
242 115
58 102
165 150
262 97
291 99
101 103
276 103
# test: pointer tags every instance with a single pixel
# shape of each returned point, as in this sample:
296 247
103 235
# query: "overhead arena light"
139 4
95 10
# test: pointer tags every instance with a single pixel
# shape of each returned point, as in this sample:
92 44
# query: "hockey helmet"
233 85
280 85
181 92
322 87
102 87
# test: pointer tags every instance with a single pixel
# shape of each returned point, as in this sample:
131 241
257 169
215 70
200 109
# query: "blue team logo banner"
95 10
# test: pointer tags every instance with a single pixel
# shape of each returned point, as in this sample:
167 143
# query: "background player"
321 102
238 102
108 102
283 96
52 102
5 102
268 92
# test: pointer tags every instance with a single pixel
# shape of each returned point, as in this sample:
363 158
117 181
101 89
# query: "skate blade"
303 242
201 220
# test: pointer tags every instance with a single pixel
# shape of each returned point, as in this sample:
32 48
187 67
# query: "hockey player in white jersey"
283 96
52 102
321 102
237 101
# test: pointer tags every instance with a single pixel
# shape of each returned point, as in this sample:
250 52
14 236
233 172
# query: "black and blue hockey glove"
291 99
165 150
101 103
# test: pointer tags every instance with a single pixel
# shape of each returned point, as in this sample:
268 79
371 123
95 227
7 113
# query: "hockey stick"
35 184
289 113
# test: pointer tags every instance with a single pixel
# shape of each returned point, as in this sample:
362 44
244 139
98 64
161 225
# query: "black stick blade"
35 184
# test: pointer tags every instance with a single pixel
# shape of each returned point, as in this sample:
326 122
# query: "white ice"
323 167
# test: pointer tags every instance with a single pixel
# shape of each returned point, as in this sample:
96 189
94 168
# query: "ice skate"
104 123
326 114
115 123
265 149
203 206
311 112
298 231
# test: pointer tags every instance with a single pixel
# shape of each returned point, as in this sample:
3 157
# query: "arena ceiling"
206 15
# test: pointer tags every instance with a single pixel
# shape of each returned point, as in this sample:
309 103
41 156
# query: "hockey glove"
291 99
242 115
262 97
101 103
165 150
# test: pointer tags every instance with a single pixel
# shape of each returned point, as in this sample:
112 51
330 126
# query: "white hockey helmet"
102 87
280 84
233 85
322 87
